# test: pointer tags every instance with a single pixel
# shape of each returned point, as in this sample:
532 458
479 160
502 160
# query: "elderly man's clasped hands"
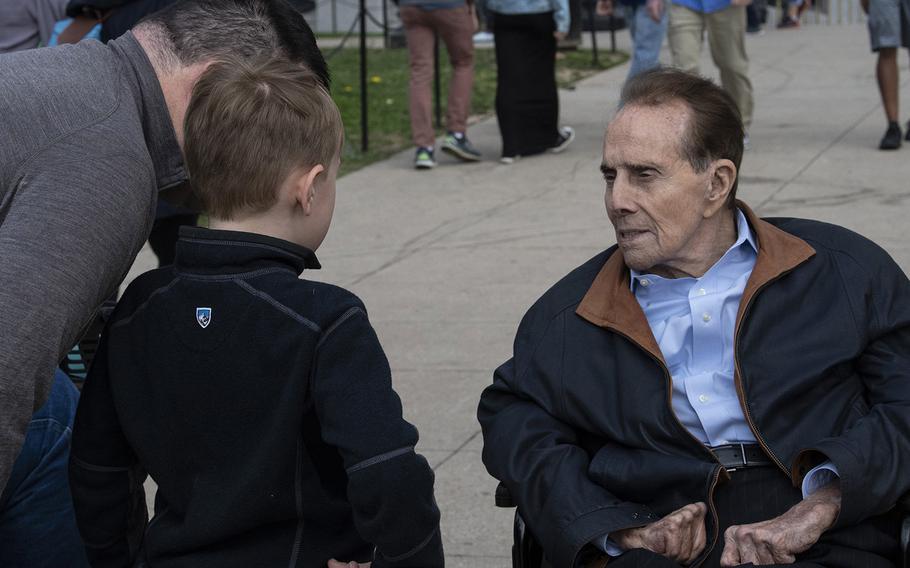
681 536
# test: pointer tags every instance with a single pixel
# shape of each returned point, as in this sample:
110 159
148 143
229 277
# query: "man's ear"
305 188
723 177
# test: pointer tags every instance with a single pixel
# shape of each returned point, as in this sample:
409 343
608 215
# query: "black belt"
738 456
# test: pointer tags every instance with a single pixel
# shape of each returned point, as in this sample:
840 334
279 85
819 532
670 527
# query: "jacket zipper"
668 381
737 379
707 551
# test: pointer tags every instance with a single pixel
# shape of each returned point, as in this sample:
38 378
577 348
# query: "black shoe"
564 136
907 137
459 146
892 138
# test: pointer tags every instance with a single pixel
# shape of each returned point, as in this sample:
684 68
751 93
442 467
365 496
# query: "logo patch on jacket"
203 317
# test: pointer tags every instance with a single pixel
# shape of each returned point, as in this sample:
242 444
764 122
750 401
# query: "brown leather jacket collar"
610 303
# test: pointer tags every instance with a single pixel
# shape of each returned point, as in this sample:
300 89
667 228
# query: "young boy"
260 403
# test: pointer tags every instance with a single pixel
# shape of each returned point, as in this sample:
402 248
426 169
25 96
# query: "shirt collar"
744 235
158 130
209 252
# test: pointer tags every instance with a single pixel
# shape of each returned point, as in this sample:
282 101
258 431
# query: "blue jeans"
37 523
647 37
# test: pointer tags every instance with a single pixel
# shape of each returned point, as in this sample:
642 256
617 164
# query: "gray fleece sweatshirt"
86 142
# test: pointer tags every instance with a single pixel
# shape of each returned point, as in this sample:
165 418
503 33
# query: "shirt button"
702 291
644 282
706 317
702 398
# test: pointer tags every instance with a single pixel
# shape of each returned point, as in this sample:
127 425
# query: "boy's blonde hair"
249 125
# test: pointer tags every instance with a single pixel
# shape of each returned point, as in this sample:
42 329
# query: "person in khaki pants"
725 23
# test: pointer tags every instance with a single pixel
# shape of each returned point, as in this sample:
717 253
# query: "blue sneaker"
459 146
424 159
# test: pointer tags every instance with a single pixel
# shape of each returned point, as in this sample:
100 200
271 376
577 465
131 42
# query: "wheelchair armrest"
504 497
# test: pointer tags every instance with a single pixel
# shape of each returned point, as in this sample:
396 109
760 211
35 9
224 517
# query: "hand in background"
559 35
604 7
655 9
680 536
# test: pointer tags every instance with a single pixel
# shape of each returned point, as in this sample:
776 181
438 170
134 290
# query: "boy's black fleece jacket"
262 405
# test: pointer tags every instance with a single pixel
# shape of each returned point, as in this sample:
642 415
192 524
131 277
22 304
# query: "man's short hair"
249 125
198 31
715 130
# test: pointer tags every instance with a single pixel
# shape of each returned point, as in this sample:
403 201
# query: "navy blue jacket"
580 427
262 405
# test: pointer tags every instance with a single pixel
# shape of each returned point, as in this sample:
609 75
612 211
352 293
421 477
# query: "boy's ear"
305 188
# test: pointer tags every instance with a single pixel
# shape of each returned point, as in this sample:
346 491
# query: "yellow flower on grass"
348 88
375 79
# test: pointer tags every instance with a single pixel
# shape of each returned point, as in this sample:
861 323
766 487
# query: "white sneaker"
507 160
483 37
566 136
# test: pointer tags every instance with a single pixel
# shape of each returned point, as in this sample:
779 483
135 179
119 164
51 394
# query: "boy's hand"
336 564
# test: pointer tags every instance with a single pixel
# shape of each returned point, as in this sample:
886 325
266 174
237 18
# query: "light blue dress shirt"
560 9
694 321
703 6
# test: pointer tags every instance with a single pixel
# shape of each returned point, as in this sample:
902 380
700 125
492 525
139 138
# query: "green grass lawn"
389 125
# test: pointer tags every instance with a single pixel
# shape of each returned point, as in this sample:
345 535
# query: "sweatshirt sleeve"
105 476
561 15
540 458
390 487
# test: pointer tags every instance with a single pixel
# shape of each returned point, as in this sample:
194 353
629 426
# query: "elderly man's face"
656 201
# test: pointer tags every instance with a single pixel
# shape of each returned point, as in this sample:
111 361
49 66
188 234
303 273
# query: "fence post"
591 18
364 129
385 24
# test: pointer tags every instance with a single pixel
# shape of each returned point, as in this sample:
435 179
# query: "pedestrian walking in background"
454 22
889 29
725 24
647 22
790 18
527 103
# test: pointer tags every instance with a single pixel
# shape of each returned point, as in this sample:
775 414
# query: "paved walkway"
447 261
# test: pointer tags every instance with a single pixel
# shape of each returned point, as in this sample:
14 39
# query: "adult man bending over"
91 134
717 389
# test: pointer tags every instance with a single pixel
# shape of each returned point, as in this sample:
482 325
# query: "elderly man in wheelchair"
717 389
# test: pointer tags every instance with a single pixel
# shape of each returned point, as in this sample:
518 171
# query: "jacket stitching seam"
233 276
277 305
298 502
99 468
145 304
414 550
272 248
337 323
376 460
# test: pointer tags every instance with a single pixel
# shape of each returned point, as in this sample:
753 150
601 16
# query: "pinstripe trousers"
762 493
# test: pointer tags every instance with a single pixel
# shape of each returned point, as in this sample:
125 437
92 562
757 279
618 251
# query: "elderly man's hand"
680 536
779 540
336 564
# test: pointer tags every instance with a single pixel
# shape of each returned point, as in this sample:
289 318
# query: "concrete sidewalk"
448 261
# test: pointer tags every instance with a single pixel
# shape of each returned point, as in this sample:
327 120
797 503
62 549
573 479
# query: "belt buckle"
742 457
